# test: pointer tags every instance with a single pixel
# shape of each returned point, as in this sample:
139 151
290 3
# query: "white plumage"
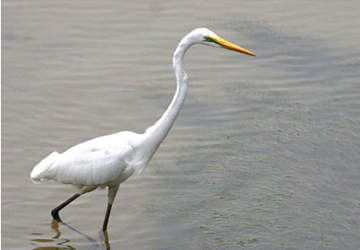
98 162
108 161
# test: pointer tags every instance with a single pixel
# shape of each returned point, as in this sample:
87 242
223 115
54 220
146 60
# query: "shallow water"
264 155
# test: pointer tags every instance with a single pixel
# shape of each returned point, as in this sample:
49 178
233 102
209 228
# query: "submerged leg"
55 211
111 197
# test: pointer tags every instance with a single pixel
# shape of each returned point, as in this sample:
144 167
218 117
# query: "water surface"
264 155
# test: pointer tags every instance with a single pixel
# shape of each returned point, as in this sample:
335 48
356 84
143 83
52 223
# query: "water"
264 155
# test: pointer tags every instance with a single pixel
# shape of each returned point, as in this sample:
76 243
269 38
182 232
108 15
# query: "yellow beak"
227 45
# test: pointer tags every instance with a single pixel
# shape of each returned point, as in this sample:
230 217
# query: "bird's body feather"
100 162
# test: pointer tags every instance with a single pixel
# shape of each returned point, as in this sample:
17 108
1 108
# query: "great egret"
108 161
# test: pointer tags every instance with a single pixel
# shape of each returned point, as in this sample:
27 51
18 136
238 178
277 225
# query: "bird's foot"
55 215
104 237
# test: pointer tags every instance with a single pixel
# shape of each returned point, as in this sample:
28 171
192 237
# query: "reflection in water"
62 243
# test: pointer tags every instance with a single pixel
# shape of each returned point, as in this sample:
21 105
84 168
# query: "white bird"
109 160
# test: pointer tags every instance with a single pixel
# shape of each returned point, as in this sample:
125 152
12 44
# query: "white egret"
108 161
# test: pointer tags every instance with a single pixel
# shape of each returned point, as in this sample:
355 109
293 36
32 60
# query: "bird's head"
209 38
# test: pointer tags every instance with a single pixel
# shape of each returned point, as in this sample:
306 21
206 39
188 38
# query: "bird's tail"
38 173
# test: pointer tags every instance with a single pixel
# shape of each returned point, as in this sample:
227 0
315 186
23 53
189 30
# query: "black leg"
107 215
111 196
55 211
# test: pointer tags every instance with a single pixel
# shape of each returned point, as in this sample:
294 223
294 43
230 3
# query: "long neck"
157 133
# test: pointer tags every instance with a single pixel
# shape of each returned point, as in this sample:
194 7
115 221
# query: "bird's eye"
208 39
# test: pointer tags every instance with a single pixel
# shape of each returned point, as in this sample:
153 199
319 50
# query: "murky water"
264 155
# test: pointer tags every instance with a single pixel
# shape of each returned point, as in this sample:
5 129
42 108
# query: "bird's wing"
98 162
